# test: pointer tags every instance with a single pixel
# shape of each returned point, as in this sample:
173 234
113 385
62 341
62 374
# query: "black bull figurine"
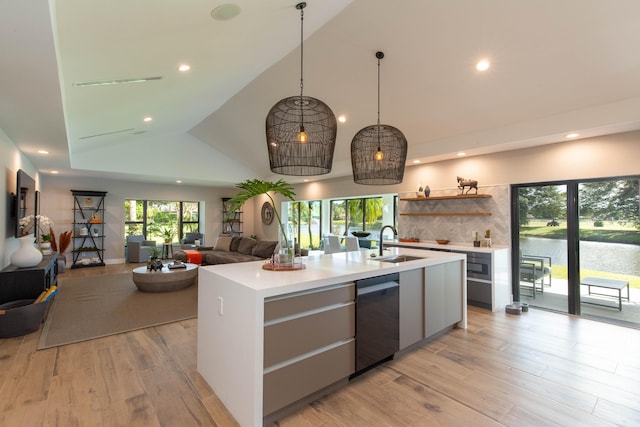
462 183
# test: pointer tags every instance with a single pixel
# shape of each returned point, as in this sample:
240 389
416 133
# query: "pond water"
612 257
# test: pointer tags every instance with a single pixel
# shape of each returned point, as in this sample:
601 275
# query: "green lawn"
560 272
612 232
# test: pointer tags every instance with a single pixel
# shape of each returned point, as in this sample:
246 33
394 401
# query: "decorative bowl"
442 241
361 233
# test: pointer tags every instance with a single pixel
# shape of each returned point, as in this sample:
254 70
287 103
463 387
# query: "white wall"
610 155
606 156
11 160
57 203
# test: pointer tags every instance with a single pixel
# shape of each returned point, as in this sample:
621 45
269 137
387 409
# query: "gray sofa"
234 249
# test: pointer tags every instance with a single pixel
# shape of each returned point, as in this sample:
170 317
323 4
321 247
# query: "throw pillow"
246 245
235 242
223 243
264 249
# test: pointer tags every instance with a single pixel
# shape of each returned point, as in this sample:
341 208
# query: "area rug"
87 308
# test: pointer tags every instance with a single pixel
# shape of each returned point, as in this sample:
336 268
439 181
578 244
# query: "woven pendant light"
378 152
301 131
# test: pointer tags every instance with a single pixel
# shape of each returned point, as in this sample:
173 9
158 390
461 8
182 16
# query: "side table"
167 250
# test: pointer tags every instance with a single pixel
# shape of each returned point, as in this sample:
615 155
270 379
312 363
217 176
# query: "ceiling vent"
117 81
106 133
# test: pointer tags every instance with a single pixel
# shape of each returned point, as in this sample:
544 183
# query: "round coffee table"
165 280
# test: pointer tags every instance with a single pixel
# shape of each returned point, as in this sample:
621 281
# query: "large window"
362 214
314 218
306 218
161 220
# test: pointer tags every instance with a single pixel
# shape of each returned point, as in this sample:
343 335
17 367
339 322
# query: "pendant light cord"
301 6
301 50
378 56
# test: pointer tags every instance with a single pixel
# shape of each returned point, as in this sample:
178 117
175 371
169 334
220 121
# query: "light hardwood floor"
537 369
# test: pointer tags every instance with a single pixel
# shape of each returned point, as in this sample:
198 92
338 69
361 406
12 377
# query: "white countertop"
452 246
325 270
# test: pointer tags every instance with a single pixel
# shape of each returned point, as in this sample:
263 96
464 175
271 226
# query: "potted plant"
154 262
45 243
255 187
168 233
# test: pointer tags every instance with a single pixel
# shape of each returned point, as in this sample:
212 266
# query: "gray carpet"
87 308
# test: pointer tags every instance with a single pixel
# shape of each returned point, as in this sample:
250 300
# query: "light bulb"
379 154
302 136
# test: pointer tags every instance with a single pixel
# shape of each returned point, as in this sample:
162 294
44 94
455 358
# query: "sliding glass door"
542 246
610 249
577 247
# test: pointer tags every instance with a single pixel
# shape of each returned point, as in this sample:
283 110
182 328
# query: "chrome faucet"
395 233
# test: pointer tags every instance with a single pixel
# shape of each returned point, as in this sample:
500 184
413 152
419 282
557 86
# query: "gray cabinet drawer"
290 383
479 293
289 305
297 336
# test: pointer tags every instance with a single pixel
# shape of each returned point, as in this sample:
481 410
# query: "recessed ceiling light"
43 152
147 119
572 135
342 119
178 182
184 67
224 12
483 65
461 153
54 172
416 161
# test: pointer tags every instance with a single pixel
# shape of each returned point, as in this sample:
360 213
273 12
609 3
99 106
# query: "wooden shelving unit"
441 198
448 214
453 197
231 221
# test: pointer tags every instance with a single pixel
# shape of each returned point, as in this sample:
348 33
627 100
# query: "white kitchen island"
247 373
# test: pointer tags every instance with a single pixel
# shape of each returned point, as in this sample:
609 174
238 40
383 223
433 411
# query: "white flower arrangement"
42 222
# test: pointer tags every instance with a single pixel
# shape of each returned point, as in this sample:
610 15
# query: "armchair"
138 249
189 240
533 271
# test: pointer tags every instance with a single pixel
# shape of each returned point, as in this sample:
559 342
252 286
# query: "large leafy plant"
256 187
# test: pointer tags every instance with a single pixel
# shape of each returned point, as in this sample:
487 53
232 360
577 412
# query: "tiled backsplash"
457 228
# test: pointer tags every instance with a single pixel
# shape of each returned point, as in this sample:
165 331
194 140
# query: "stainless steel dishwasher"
377 320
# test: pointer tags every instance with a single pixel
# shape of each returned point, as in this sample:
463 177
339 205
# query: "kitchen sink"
399 258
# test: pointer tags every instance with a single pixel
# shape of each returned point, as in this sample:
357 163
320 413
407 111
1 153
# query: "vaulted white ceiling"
556 67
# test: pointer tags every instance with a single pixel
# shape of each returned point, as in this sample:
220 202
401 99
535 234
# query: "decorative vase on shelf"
427 191
27 255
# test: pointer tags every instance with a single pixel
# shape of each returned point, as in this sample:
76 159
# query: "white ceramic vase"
27 254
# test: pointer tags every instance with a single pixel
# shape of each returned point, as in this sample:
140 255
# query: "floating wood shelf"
453 197
447 214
